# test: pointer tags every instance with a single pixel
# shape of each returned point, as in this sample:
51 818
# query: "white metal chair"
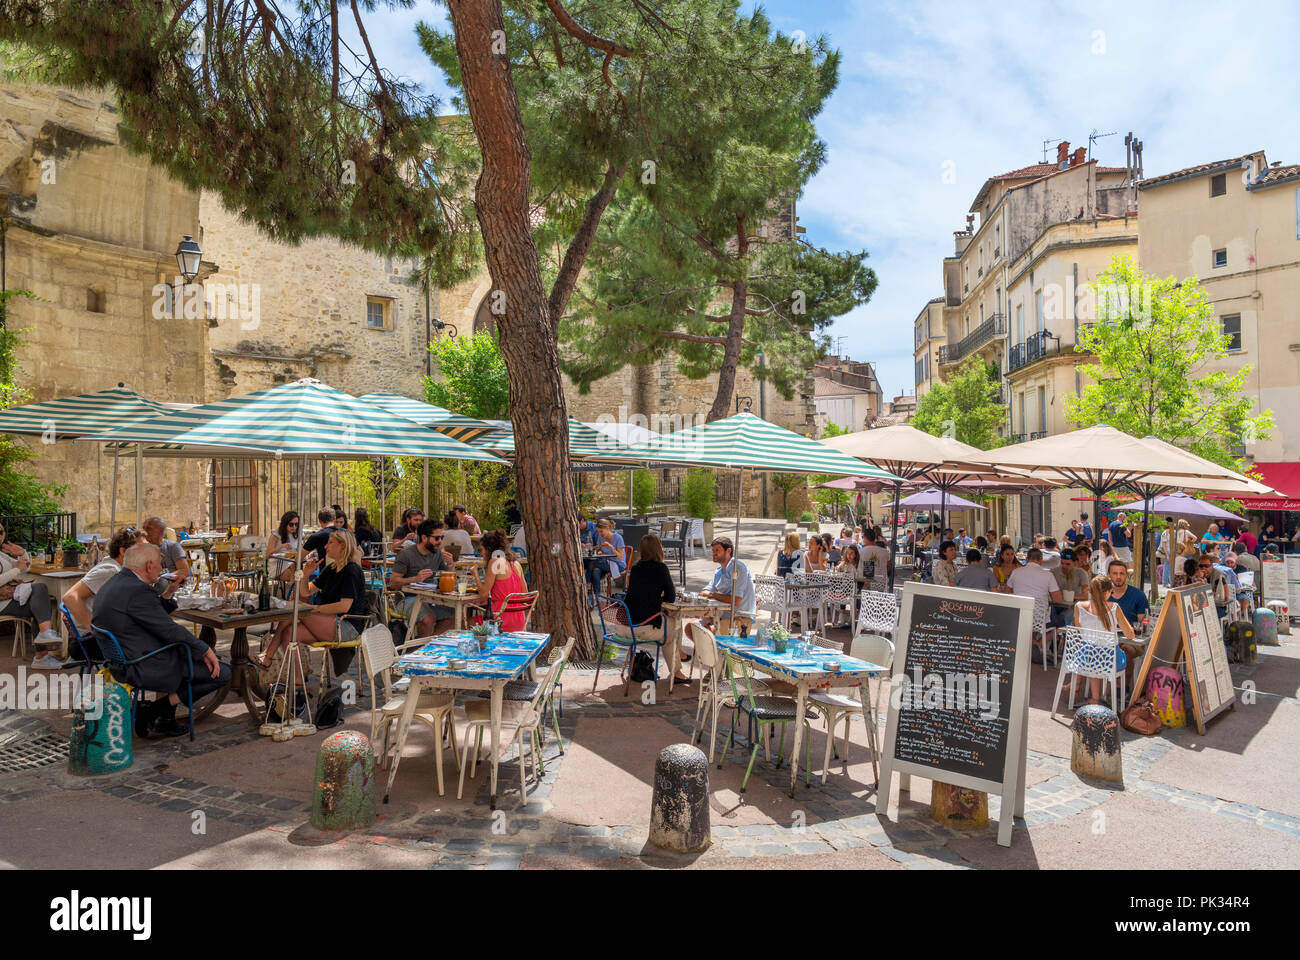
771 596
1042 608
807 592
715 692
433 708
1095 654
517 717
877 613
841 591
696 534
838 706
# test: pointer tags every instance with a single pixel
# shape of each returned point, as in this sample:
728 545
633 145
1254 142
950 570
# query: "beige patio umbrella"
1102 459
916 457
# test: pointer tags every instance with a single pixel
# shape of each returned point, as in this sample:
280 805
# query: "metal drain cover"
26 753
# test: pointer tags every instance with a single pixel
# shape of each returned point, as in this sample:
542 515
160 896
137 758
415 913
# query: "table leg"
799 712
498 689
460 616
403 725
415 617
674 662
869 717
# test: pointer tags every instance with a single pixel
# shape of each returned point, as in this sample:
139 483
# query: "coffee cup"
1067 596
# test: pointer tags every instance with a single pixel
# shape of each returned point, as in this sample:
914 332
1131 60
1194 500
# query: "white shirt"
1032 580
879 554
1051 560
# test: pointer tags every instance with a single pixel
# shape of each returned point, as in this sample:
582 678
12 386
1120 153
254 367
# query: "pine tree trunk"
735 333
528 342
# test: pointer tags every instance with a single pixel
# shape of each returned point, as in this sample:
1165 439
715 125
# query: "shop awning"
1282 477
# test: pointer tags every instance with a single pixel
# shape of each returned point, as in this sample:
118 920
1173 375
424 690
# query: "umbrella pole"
1096 521
426 486
893 533
740 498
139 485
383 502
112 508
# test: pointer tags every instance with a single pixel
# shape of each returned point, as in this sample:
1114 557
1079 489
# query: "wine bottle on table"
264 595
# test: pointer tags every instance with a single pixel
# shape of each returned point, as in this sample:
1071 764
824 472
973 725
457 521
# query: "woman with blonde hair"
339 602
1100 612
789 555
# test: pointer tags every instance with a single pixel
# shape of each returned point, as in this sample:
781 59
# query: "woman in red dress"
505 576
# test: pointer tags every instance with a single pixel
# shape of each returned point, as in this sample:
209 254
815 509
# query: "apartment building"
929 335
846 393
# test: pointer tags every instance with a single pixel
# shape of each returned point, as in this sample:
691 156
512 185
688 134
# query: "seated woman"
649 586
1006 565
832 552
505 575
814 558
340 597
456 537
366 534
285 539
1099 612
1101 563
945 568
851 562
790 554
31 601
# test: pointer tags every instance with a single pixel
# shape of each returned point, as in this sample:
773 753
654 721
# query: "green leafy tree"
836 499
643 490
785 482
700 493
472 378
700 258
1159 368
965 407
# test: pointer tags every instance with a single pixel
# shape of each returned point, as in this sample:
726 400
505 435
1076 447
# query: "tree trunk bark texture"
735 333
527 336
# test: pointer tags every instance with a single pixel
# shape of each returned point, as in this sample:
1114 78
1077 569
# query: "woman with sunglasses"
284 539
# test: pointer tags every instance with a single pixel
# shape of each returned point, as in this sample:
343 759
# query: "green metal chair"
760 711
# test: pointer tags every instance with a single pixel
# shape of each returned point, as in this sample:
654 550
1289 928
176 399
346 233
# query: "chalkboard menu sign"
1188 633
959 692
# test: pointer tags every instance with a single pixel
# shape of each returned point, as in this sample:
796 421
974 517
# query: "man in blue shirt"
720 587
1132 602
1087 528
608 543
1117 534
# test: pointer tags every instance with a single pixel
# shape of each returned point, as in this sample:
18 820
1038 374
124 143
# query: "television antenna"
1048 143
1095 136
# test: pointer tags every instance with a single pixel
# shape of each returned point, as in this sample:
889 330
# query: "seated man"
316 542
407 530
720 588
417 564
174 560
1032 580
1244 588
975 575
128 607
1073 581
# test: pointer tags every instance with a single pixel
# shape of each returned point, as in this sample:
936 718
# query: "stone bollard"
1166 689
1265 627
679 808
344 796
1096 744
958 807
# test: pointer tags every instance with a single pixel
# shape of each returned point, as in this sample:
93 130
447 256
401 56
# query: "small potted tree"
700 497
643 492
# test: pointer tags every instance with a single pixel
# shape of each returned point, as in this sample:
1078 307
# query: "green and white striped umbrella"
70 417
586 444
747 442
458 427
301 419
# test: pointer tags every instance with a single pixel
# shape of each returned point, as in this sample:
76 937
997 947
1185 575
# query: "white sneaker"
48 636
47 661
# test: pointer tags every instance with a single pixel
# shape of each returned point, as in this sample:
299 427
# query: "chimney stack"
1079 156
1063 154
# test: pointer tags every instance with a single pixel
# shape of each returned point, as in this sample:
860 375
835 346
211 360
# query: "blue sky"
974 89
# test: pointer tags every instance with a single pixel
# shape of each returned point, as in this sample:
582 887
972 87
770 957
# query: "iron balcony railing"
994 326
1035 347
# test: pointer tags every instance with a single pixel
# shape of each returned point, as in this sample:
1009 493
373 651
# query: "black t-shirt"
317 542
334 585
649 585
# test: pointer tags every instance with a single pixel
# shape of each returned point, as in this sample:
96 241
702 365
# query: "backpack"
329 709
643 668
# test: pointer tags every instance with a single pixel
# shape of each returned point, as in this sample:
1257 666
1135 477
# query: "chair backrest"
552 676
841 587
1091 653
873 649
706 645
667 530
769 592
1040 614
110 648
614 614
879 611
377 648
519 603
514 528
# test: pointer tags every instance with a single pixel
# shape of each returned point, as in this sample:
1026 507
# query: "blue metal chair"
117 663
89 661
620 616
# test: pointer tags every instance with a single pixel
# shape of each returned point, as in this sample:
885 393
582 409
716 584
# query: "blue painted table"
508 657
807 673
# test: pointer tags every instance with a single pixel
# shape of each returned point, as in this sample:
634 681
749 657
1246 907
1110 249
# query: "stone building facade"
92 230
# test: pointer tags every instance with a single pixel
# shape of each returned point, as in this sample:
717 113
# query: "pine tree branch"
576 254
694 337
580 32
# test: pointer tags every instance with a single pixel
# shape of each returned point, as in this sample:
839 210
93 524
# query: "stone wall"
91 231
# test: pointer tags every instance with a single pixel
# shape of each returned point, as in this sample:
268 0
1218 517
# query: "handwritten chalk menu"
1293 580
1188 632
959 693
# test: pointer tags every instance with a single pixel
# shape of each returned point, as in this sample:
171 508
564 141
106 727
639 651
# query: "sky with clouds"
974 89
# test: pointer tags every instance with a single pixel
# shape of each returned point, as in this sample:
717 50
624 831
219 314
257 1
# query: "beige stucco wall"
1181 227
85 214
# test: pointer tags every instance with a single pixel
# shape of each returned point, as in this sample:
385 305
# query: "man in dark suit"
128 607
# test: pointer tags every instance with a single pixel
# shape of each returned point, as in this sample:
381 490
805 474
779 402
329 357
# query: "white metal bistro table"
508 657
686 607
431 595
806 673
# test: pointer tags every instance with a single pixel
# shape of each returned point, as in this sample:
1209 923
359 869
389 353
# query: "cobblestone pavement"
832 819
